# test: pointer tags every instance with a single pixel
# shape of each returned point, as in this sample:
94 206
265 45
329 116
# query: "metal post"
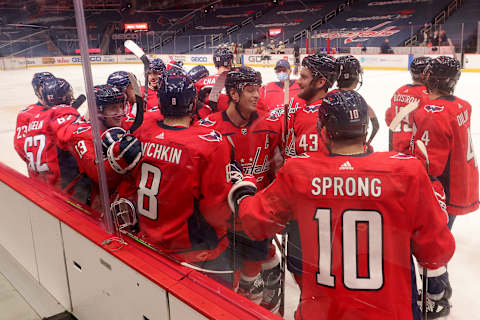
92 109
478 37
174 39
461 40
189 44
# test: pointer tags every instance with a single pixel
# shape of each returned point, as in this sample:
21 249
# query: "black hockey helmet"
344 114
56 91
39 78
442 73
222 57
322 66
350 71
157 65
417 66
106 95
119 79
238 78
176 95
198 72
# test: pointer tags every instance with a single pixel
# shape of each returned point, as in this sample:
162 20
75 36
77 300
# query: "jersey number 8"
148 190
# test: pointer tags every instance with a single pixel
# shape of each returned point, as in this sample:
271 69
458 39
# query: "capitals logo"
275 114
212 136
311 109
82 129
206 122
433 109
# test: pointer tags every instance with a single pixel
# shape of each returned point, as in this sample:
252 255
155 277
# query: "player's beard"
308 93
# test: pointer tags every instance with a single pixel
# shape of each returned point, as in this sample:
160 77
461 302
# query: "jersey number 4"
357 225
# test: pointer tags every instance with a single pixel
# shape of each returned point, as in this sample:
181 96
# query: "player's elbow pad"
240 190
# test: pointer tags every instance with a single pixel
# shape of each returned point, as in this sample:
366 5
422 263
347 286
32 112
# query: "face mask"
282 76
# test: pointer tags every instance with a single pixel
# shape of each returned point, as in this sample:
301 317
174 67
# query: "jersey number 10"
350 248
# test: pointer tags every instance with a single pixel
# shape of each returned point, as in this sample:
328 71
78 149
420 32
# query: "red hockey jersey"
360 220
40 140
182 188
152 98
254 145
303 124
401 136
209 82
272 95
443 125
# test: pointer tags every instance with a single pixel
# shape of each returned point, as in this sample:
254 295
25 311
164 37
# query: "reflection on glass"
314 216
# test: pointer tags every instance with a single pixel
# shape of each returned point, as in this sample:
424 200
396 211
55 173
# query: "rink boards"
370 61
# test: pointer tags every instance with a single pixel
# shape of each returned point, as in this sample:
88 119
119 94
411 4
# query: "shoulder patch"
212 136
206 122
82 129
311 109
433 109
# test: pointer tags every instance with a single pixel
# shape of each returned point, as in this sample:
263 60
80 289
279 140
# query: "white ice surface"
378 87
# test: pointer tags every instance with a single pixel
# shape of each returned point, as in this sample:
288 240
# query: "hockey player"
121 81
198 73
318 74
399 139
39 134
360 214
272 94
351 77
222 59
157 67
110 103
256 140
180 180
24 116
442 123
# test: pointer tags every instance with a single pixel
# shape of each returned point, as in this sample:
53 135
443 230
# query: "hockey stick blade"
375 124
139 101
403 113
423 149
136 50
79 101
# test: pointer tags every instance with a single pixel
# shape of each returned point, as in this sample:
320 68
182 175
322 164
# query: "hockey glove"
233 172
241 189
124 154
110 136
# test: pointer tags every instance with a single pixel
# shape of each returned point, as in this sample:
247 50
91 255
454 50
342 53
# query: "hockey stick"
235 214
405 111
138 101
183 263
375 124
215 93
138 52
424 293
282 248
421 146
79 101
